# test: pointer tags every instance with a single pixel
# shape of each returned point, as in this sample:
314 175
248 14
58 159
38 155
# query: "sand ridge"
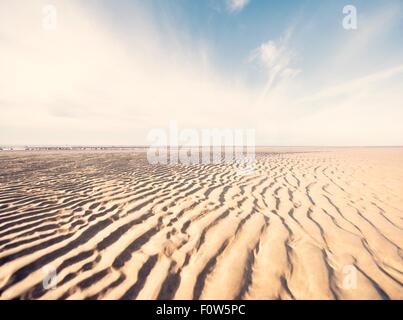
115 227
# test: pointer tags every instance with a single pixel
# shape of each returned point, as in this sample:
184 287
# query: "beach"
305 223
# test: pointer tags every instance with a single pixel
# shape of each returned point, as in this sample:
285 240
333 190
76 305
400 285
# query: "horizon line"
39 146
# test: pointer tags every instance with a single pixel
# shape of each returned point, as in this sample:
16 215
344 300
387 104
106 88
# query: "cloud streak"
92 86
236 5
89 82
276 60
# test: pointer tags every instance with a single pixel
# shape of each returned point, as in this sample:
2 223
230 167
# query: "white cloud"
356 52
88 83
355 86
236 5
85 83
363 111
276 60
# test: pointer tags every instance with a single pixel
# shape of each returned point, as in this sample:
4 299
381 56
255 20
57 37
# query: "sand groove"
115 227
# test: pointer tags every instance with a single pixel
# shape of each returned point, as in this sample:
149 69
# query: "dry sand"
306 224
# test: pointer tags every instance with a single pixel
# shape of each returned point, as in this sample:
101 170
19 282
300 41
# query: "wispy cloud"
236 5
89 82
109 89
276 59
355 86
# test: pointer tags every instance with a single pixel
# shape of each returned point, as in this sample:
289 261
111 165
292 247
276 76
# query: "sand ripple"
115 227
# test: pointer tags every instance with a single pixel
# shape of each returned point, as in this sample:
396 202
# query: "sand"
306 224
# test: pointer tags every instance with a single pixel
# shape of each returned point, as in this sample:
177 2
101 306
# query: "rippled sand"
306 224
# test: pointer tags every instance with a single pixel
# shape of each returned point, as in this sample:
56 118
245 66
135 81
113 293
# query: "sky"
108 72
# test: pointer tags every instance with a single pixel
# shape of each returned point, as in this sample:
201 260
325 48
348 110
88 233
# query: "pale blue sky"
316 25
113 70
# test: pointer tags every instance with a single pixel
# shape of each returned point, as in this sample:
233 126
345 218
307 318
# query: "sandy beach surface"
324 223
